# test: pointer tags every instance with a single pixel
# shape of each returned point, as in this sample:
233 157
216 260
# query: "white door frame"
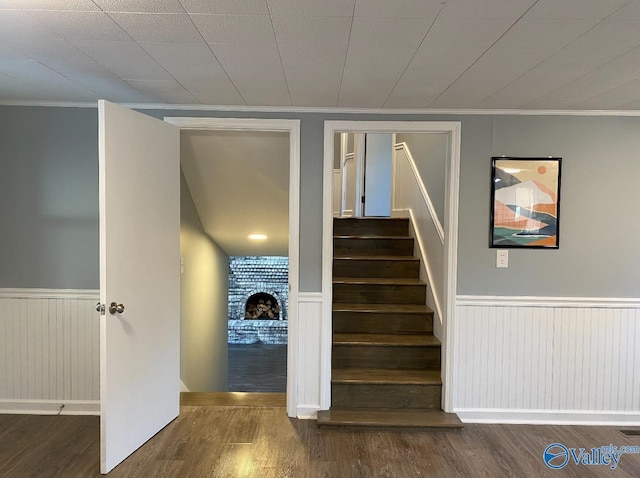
359 148
453 129
293 128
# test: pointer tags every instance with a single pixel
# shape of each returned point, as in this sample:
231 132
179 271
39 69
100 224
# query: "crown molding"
330 110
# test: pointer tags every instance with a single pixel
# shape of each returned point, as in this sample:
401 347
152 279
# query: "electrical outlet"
502 258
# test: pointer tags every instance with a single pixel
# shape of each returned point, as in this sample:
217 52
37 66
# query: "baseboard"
347 213
50 407
307 412
403 213
183 387
548 417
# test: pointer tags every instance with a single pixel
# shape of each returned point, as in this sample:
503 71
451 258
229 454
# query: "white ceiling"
239 182
480 54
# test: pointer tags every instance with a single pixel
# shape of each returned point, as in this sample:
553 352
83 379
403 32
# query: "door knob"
116 308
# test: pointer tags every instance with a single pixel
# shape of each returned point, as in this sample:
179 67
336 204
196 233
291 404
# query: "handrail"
423 189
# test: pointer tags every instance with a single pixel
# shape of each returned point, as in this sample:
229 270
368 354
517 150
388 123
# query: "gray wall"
600 179
429 151
49 198
203 305
599 254
336 151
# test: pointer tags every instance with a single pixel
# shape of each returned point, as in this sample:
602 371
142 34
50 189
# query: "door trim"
293 128
453 129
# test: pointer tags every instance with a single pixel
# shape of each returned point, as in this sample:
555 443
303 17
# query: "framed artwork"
525 203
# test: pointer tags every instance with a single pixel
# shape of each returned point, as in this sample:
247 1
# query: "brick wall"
249 275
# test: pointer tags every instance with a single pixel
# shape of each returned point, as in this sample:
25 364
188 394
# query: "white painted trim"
327 270
328 110
50 407
49 294
347 213
404 213
291 126
548 417
360 148
315 297
452 196
307 411
423 189
234 124
183 387
530 301
453 129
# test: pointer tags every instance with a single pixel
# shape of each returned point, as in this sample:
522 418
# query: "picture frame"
525 203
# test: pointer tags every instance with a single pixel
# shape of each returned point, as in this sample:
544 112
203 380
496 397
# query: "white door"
139 164
377 174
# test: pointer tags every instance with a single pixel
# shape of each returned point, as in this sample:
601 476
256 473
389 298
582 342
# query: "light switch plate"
502 258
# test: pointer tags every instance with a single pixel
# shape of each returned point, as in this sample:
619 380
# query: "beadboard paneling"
578 357
49 346
310 368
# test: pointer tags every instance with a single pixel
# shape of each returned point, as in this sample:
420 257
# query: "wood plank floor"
257 368
208 441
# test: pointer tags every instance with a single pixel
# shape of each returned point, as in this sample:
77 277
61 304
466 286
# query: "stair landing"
389 419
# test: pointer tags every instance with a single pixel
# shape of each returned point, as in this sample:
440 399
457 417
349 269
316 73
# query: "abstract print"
525 203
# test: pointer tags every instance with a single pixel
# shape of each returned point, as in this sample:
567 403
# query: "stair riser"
409 269
375 323
386 357
379 227
385 396
372 247
379 294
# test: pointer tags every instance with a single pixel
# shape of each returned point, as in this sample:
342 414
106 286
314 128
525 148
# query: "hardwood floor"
233 399
213 441
257 368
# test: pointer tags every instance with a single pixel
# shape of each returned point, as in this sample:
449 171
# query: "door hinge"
100 308
362 199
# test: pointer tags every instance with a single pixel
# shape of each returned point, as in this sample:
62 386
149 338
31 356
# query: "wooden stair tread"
372 218
368 257
383 308
385 376
378 281
373 237
414 419
386 363
409 340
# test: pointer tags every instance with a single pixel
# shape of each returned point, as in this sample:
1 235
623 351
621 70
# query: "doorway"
447 277
290 129
362 175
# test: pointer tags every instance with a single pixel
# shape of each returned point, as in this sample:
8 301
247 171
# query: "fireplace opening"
262 306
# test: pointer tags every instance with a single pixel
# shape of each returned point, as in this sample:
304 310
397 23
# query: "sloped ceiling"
453 54
239 182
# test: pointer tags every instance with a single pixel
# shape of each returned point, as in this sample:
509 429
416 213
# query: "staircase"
385 358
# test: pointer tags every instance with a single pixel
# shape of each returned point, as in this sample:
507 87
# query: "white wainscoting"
547 360
49 351
311 366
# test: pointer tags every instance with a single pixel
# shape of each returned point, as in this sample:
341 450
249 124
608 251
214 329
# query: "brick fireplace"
258 299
